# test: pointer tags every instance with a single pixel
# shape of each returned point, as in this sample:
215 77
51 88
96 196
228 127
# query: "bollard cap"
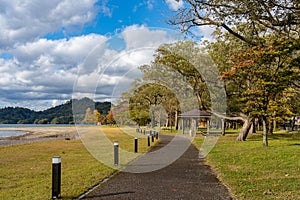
56 160
116 143
135 138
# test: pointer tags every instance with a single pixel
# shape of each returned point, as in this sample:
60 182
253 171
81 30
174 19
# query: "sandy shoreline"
39 134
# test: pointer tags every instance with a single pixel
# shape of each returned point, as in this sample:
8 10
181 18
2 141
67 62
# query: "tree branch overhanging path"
260 41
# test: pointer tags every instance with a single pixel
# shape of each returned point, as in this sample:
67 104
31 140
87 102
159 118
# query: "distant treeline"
61 114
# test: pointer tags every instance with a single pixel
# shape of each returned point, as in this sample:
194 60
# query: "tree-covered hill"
61 114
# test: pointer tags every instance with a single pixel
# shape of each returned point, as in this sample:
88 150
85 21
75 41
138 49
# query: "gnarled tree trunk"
246 126
245 130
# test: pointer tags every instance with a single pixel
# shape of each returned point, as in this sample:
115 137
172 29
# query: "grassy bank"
252 171
25 170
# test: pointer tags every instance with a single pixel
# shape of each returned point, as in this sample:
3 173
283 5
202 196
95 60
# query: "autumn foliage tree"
266 64
270 71
109 119
89 118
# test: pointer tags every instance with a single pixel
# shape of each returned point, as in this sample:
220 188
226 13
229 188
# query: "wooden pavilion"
193 119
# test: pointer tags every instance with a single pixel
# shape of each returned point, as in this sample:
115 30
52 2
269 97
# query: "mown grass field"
25 170
252 171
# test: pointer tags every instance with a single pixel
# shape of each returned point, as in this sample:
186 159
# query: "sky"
52 51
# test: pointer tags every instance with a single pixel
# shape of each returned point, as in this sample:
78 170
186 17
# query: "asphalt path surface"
186 178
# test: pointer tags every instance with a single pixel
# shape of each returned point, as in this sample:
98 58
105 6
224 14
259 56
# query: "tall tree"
109 119
181 56
148 95
99 117
89 118
263 21
282 18
257 77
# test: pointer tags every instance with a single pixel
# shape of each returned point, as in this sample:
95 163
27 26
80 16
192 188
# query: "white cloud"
206 32
27 20
174 5
136 36
148 4
104 9
40 72
63 52
118 59
43 71
135 58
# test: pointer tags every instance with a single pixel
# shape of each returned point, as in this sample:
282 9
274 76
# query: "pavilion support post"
208 124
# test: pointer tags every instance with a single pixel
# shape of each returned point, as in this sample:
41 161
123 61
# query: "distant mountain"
61 114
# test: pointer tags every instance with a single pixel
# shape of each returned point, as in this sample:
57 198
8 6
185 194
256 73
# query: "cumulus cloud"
42 72
136 36
174 4
44 69
27 20
62 52
118 59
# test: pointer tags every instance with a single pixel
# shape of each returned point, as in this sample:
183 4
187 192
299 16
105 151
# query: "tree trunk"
293 123
176 120
265 131
274 125
254 125
245 130
170 121
152 118
242 117
199 98
270 127
223 126
251 128
235 125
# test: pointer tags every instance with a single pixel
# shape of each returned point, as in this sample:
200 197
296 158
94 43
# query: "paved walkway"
186 178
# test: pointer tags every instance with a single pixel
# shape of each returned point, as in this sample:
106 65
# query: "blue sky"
114 15
52 51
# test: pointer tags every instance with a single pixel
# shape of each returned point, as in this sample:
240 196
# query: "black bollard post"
152 138
156 135
116 153
135 145
148 140
56 177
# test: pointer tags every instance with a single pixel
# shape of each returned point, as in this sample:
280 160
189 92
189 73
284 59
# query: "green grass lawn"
252 171
25 170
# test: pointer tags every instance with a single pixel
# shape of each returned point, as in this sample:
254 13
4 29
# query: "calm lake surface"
9 133
5 133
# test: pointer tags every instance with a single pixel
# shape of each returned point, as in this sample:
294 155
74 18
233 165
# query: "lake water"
4 133
9 133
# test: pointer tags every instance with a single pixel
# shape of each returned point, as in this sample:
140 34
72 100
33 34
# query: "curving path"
186 178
